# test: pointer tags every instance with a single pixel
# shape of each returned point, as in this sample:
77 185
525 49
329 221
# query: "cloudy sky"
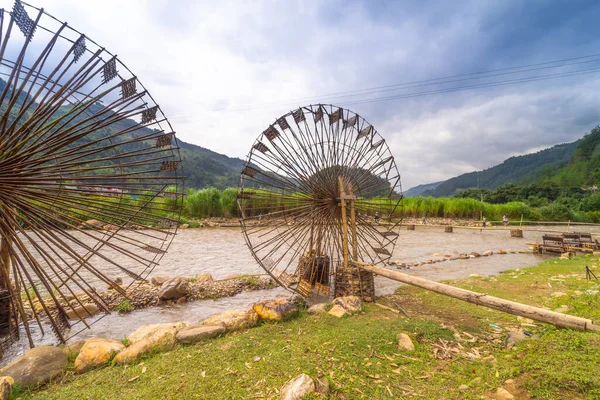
223 71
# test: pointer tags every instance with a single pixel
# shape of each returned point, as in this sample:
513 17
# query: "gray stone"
463 387
349 303
297 388
37 366
174 289
317 308
405 343
156 331
197 333
159 280
233 319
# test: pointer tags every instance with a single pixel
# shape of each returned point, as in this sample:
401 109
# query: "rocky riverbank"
43 364
159 290
413 344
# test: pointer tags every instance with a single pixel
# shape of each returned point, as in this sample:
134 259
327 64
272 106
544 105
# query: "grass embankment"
455 345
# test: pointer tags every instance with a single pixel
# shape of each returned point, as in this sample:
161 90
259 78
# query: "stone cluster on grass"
42 364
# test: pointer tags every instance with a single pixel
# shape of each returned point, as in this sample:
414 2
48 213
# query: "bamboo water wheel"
319 190
90 177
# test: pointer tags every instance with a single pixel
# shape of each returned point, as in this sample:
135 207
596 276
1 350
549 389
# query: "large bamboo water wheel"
90 177
319 191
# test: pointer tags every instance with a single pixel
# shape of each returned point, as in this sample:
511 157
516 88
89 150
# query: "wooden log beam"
482 299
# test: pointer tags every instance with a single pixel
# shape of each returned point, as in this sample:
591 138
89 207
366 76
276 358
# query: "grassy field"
455 345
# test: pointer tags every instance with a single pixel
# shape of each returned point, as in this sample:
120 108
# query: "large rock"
349 303
174 289
6 385
297 388
154 332
161 340
338 311
317 308
275 310
74 348
233 319
96 352
193 334
405 343
37 366
87 310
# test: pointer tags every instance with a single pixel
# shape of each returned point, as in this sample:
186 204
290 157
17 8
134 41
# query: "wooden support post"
482 299
5 309
344 223
518 233
353 224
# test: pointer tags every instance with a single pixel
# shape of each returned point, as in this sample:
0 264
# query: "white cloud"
206 63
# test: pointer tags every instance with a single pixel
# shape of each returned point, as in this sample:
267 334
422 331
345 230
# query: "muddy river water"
222 251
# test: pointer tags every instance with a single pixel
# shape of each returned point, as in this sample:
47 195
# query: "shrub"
556 212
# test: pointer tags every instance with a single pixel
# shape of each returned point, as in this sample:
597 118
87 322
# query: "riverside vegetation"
461 351
570 206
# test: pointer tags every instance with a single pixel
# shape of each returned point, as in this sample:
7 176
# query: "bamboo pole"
353 226
344 222
482 299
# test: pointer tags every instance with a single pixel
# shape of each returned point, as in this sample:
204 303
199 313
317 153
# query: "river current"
222 251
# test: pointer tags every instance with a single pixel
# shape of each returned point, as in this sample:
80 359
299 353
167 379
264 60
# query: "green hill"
204 168
583 169
525 169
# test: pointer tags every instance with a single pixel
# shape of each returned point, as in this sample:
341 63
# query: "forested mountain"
419 189
525 169
204 168
583 168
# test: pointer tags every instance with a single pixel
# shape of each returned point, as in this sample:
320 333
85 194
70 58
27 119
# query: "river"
222 251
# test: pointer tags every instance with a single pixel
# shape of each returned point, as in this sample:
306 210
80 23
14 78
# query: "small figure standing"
505 220
377 217
423 220
483 221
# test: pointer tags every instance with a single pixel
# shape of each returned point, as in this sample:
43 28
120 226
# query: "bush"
556 212
591 203
229 203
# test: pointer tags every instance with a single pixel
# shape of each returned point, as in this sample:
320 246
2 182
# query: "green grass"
124 307
360 357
